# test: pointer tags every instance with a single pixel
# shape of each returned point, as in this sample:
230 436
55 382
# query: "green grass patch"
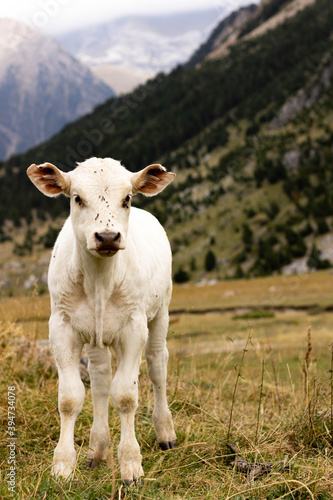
256 314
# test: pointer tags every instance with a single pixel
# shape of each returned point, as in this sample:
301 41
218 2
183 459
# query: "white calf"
110 285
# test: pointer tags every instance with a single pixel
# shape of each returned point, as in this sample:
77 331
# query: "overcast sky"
57 16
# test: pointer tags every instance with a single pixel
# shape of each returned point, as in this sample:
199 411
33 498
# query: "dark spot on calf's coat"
126 404
66 407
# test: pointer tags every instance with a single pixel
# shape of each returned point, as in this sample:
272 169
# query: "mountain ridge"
41 87
226 28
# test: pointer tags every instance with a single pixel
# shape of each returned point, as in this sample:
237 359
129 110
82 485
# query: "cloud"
56 16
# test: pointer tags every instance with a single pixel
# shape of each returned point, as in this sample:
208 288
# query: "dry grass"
313 291
31 313
273 291
281 412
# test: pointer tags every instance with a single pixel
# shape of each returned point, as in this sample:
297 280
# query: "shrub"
322 226
272 210
270 260
247 235
315 262
259 175
210 261
250 212
193 264
253 129
181 276
239 257
276 172
306 230
239 273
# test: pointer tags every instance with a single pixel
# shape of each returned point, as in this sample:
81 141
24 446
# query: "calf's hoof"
137 482
62 469
130 461
92 463
131 472
168 445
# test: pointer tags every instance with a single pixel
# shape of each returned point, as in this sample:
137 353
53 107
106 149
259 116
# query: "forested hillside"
249 198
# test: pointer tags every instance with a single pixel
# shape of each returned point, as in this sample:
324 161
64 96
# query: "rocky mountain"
247 22
249 135
42 88
228 29
142 44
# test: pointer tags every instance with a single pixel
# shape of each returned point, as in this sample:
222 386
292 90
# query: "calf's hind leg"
157 356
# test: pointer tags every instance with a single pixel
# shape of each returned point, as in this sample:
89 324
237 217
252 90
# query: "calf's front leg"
100 378
124 392
67 354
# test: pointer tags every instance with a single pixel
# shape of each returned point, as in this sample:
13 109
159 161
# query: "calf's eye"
78 200
126 201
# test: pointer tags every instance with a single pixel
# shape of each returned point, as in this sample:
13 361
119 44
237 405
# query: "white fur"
120 301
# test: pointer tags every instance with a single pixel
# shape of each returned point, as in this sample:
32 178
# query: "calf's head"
100 191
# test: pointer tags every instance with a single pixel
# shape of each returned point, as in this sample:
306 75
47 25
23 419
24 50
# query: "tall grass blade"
239 368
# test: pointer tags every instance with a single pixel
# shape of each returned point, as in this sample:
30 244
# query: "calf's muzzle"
107 241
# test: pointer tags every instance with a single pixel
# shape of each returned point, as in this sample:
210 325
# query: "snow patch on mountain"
143 44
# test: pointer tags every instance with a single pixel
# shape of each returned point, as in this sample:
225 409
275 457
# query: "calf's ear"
49 179
151 180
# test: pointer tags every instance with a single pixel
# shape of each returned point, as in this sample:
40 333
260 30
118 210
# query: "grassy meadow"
250 364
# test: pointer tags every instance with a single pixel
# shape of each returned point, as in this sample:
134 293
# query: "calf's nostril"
99 237
108 240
